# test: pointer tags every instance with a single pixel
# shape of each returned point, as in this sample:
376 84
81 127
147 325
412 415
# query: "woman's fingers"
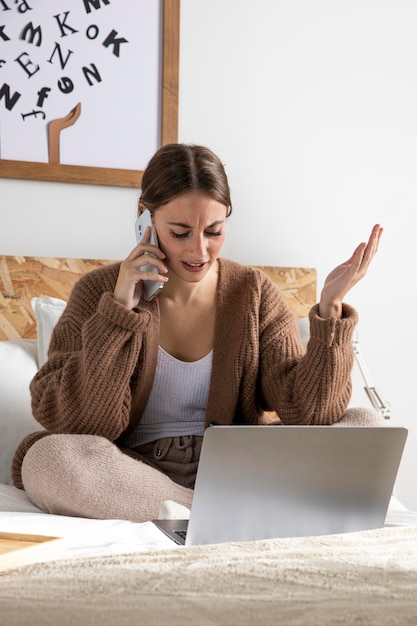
142 263
138 267
345 276
373 244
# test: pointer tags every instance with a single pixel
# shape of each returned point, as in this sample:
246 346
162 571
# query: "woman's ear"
142 207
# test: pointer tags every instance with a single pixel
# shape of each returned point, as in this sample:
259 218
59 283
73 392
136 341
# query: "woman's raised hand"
129 286
345 276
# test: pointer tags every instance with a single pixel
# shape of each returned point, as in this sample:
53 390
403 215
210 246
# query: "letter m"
93 3
10 101
30 32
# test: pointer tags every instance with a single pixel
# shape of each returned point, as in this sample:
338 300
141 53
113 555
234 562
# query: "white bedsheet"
88 537
85 537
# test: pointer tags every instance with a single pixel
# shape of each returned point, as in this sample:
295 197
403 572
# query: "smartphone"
150 287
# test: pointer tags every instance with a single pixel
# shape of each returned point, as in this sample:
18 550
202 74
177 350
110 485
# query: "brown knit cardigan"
102 360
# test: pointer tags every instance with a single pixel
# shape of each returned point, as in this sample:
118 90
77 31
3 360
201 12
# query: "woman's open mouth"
194 267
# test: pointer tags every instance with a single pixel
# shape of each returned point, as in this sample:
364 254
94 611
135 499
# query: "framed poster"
88 88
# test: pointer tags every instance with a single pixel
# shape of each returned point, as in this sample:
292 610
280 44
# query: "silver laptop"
260 482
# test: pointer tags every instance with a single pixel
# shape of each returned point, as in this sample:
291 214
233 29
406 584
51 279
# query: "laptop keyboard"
181 533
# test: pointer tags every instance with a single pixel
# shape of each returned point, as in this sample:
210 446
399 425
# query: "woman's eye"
209 233
178 235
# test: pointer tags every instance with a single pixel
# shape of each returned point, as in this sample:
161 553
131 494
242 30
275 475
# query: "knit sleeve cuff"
133 321
333 331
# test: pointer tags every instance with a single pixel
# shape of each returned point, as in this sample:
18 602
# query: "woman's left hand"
345 276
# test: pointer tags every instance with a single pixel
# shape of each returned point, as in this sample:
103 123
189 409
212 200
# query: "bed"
117 571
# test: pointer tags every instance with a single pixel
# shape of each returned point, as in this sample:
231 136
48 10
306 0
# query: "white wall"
312 106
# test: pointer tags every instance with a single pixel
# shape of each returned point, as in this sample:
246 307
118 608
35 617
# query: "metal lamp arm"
371 392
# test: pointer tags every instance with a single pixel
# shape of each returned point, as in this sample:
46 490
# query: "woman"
130 384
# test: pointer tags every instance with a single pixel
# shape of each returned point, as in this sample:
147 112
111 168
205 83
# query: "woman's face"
191 231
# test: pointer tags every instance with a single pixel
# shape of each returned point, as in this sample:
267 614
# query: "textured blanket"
359 578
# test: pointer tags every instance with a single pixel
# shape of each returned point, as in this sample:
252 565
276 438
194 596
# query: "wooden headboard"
22 278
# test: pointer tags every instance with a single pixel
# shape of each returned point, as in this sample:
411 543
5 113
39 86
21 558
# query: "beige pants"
88 476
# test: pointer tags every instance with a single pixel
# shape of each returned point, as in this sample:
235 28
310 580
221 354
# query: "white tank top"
178 400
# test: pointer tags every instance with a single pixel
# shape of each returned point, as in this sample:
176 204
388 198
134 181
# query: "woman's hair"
179 168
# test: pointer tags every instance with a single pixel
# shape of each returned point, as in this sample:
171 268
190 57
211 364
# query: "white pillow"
47 311
18 366
16 500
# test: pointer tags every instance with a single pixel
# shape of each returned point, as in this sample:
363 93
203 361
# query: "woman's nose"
199 245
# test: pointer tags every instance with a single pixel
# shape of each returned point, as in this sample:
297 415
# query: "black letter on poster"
92 31
3 34
25 65
65 85
62 25
43 93
10 101
93 72
32 32
111 40
61 58
35 115
94 3
23 7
